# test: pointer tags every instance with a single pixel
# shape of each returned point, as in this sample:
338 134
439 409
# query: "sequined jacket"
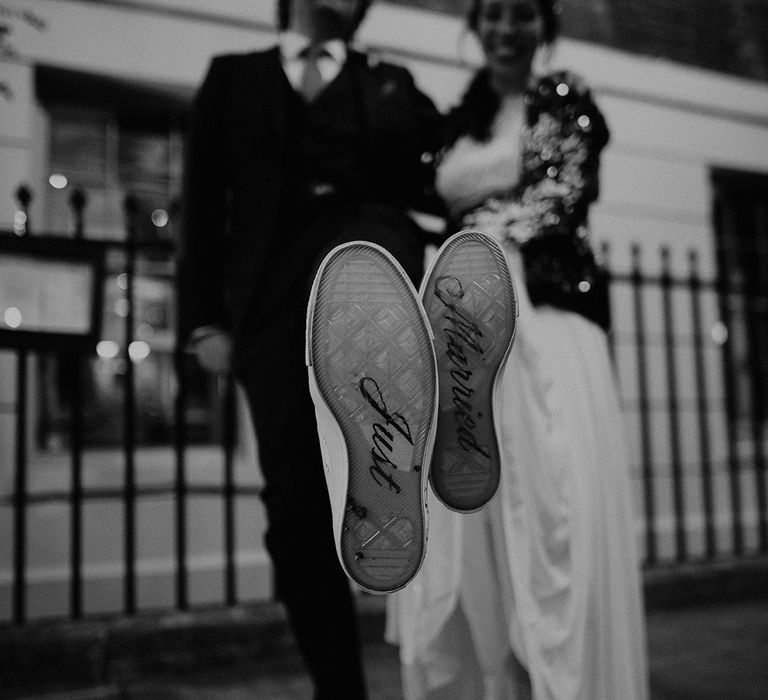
546 213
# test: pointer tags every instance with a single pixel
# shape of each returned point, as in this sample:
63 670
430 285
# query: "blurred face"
325 19
509 32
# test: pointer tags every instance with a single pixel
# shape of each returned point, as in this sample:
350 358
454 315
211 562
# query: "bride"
538 594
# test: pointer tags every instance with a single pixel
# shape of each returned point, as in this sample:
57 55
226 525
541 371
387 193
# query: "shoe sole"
370 354
469 298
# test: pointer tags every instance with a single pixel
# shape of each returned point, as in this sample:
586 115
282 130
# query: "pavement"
700 651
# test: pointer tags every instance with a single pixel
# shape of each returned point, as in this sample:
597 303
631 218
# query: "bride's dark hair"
548 8
478 106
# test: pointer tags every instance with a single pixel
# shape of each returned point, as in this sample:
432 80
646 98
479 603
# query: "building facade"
93 98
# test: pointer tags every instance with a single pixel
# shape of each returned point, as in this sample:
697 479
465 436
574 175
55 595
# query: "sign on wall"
50 292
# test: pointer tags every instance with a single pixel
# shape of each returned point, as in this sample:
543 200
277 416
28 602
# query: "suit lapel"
265 83
366 90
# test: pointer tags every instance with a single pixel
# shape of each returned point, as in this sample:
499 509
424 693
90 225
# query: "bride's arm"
471 172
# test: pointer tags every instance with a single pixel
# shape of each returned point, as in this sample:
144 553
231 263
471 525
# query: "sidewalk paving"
699 653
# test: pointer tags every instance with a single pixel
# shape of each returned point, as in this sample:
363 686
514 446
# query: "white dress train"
547 574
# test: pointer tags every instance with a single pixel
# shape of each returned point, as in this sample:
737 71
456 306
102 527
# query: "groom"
292 151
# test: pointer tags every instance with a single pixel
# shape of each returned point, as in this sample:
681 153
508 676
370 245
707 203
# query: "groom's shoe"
373 380
470 300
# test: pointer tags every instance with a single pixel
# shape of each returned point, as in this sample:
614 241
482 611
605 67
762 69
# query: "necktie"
311 79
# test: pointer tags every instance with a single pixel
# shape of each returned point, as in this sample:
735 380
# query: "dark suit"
271 185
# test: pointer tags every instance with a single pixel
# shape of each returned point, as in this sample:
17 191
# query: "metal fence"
670 331
703 427
125 257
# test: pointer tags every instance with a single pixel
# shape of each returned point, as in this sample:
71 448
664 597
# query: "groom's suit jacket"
237 173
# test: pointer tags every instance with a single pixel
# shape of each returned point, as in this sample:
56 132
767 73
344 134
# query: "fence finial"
77 201
21 225
131 210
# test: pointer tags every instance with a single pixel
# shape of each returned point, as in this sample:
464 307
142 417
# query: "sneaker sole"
369 349
471 303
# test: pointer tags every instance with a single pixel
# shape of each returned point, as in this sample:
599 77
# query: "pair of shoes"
404 386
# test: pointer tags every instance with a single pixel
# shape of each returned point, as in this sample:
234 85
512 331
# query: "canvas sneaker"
373 380
470 299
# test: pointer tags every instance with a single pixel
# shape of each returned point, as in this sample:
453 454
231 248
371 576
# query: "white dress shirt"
292 46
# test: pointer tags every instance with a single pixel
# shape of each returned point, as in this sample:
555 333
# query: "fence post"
76 488
21 227
649 503
180 479
20 493
131 208
734 466
673 409
702 404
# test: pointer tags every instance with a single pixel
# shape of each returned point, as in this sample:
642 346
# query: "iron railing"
700 307
693 328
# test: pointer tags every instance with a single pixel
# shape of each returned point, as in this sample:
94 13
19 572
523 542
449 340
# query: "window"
112 141
741 225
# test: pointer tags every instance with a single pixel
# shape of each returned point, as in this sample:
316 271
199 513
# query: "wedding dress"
546 578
